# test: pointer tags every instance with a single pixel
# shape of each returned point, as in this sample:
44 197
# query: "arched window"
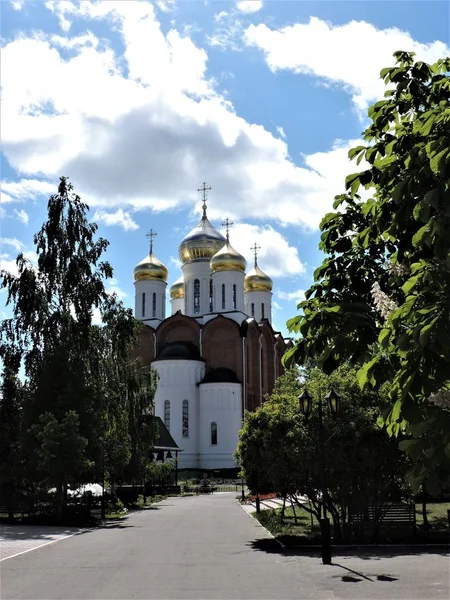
211 296
213 434
143 305
154 305
262 310
185 417
234 296
196 296
223 295
167 414
253 309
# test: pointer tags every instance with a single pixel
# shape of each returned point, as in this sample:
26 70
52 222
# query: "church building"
217 355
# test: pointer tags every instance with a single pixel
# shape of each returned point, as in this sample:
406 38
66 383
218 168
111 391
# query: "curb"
282 546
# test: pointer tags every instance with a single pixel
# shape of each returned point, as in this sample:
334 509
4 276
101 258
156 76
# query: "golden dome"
177 289
228 259
150 269
201 243
257 281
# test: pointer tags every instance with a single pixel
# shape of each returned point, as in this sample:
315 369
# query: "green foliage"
405 224
279 448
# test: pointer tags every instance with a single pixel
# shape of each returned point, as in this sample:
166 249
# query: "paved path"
17 539
207 547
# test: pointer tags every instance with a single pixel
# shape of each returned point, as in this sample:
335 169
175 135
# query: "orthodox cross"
204 192
151 234
255 249
227 224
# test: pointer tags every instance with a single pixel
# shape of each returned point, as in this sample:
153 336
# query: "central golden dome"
177 289
150 269
228 259
257 281
201 243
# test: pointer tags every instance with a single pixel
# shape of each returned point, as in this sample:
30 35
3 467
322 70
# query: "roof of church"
179 351
163 441
221 375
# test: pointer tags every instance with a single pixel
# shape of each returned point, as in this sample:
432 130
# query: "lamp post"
333 400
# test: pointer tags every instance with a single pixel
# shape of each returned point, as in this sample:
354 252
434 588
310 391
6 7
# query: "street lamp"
333 400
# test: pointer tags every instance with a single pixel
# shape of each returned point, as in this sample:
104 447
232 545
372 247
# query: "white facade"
150 299
197 286
228 291
258 305
177 305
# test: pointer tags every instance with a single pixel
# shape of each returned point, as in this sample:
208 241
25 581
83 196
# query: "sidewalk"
18 539
273 503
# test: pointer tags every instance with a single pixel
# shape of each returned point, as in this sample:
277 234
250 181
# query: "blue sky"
139 102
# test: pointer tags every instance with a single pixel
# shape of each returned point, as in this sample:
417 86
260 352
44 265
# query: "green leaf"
408 285
420 235
384 337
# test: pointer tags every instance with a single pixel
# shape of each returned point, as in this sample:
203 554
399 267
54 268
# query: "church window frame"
253 309
213 433
211 296
167 414
262 311
143 304
223 296
196 296
154 305
185 419
234 296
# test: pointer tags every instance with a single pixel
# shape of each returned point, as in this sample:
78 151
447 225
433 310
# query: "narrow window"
234 296
167 414
185 427
154 305
253 309
196 296
211 296
143 305
262 311
213 434
223 295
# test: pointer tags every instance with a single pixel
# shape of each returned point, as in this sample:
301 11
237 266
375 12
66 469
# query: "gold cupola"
177 289
203 241
150 268
256 280
227 258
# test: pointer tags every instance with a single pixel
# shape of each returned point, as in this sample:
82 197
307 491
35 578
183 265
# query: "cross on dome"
227 224
151 235
255 249
204 193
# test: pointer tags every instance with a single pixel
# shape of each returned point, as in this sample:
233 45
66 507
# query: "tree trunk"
59 502
283 509
426 524
293 510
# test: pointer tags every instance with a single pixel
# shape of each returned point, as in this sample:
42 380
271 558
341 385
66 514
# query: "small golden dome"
257 281
150 269
177 289
228 259
201 243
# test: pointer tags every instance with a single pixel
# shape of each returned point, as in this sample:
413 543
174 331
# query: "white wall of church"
198 270
149 306
228 279
178 381
220 403
256 300
177 304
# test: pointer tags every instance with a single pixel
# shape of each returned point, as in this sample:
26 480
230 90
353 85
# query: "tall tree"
381 297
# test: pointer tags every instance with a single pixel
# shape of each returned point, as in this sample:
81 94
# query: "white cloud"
275 257
12 242
144 137
249 6
281 132
175 261
219 16
298 295
120 217
8 263
166 5
22 215
28 189
113 288
17 4
305 48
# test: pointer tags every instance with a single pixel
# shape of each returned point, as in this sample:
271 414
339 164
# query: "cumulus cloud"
27 189
8 262
144 136
249 6
17 4
22 215
276 256
298 295
305 48
11 242
120 217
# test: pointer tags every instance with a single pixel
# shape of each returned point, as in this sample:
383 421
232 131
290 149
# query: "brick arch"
178 328
253 358
268 358
145 346
222 345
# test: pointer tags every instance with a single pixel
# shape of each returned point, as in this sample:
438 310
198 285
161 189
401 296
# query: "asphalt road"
207 547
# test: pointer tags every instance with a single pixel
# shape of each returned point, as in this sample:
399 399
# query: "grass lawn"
302 528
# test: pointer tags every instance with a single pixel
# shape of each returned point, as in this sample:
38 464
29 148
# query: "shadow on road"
272 546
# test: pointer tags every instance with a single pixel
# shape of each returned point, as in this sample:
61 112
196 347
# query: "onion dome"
177 289
201 243
150 268
228 259
256 280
